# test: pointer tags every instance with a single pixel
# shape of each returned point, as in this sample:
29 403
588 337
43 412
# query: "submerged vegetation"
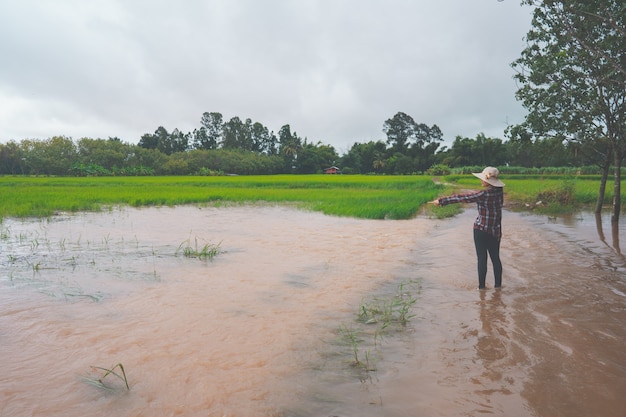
376 318
75 268
208 251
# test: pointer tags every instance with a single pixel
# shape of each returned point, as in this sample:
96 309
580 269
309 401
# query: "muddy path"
254 332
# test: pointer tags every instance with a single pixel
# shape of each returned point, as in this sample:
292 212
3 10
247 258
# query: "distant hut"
332 170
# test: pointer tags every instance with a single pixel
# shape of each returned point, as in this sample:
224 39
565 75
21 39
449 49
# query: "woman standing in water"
487 227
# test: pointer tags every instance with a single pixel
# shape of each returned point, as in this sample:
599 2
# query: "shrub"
562 194
438 169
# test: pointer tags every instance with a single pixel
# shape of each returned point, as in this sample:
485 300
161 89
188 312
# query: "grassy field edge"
369 197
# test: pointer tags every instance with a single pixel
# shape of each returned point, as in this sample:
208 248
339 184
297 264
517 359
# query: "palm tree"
379 161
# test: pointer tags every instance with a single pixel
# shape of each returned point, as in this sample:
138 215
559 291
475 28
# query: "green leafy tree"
427 142
400 131
415 140
400 164
461 153
200 139
350 162
210 133
146 161
263 141
312 159
176 164
552 152
163 140
364 158
167 143
425 135
53 156
246 139
177 142
479 151
425 157
149 141
573 79
12 159
107 153
520 147
290 146
235 135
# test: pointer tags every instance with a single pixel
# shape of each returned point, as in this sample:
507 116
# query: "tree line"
243 147
571 78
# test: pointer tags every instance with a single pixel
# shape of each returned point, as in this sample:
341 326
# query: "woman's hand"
435 202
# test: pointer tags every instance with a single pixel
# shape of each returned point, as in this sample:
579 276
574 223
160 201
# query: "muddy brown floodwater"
256 331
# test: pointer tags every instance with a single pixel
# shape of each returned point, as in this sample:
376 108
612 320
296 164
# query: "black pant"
485 243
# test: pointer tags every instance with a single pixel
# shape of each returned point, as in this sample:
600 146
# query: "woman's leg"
494 253
480 241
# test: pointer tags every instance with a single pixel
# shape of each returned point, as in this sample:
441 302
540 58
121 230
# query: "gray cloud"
334 70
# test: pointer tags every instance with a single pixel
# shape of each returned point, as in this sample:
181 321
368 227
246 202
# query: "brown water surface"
255 332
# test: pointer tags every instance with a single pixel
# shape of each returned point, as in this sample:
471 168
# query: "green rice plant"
375 311
351 336
99 382
370 361
403 308
382 312
362 196
394 309
206 252
379 333
375 197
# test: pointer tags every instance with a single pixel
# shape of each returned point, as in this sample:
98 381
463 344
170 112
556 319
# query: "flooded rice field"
269 326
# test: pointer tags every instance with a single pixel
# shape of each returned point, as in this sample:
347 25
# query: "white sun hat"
490 176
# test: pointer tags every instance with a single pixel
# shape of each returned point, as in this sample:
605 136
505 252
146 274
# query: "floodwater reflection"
491 345
614 233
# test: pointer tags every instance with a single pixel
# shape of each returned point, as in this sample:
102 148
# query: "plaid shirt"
489 202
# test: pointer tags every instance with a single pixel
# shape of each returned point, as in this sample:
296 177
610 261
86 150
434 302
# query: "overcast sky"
334 70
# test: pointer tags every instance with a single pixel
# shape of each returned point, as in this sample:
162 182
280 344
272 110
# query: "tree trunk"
603 180
617 187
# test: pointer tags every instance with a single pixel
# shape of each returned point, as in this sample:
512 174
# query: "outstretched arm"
459 198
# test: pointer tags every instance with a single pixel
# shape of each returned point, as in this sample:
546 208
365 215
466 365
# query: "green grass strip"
555 193
370 197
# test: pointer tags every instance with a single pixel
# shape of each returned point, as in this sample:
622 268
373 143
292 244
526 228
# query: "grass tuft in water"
376 318
100 382
395 309
207 251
